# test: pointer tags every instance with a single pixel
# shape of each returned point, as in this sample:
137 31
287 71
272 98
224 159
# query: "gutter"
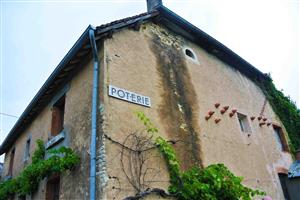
94 115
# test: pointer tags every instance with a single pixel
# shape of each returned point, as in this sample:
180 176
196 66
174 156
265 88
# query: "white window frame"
244 123
195 59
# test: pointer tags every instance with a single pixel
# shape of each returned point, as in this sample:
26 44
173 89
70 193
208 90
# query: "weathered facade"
203 96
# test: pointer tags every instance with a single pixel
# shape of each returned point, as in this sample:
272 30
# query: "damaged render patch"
177 110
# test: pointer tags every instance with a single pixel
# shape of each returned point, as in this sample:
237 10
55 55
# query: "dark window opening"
27 149
190 54
283 178
11 162
22 198
11 197
241 125
280 139
52 188
58 111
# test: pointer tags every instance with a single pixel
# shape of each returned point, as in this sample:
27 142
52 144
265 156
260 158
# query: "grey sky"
35 36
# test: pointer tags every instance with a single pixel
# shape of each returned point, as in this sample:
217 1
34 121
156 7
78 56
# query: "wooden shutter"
11 162
52 188
57 121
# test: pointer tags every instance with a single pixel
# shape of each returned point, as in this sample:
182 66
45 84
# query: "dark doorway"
283 181
52 188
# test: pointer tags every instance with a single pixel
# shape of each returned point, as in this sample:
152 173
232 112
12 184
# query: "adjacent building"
1 169
197 92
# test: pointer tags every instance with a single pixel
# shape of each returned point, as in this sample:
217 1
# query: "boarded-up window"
58 116
52 188
11 162
280 138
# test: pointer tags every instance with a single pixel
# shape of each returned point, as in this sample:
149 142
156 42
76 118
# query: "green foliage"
286 110
150 128
27 181
7 188
164 147
172 162
215 182
39 153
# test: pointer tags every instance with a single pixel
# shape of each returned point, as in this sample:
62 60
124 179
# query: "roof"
81 51
1 168
294 171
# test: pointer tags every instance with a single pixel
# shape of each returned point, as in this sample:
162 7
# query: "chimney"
153 4
298 155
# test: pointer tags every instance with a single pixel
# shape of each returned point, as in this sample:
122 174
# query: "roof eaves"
119 24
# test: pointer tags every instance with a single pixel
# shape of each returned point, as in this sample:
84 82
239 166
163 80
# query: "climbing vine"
285 109
214 182
27 181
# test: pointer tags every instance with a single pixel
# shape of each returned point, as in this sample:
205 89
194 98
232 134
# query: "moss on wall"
286 110
179 99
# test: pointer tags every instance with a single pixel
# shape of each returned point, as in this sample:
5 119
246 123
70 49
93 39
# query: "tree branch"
147 192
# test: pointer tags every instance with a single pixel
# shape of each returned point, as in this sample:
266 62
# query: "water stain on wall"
178 108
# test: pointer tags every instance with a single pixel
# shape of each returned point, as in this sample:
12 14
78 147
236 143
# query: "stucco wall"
77 120
130 64
152 62
39 128
255 156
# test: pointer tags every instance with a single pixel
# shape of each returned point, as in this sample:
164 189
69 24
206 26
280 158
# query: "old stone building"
194 89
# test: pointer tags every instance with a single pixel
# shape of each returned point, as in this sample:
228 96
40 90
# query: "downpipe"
94 115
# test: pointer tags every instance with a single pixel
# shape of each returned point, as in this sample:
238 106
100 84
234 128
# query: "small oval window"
190 54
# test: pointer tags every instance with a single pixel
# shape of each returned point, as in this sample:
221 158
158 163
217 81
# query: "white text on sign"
129 96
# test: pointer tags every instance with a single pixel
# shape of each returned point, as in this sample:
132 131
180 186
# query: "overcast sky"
36 35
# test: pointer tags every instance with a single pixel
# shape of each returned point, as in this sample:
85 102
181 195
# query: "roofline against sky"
167 18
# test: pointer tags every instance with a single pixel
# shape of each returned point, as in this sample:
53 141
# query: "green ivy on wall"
214 182
285 109
27 181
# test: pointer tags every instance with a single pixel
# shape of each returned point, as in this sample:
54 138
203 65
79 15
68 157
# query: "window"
190 54
58 110
11 162
244 123
52 188
27 149
280 139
